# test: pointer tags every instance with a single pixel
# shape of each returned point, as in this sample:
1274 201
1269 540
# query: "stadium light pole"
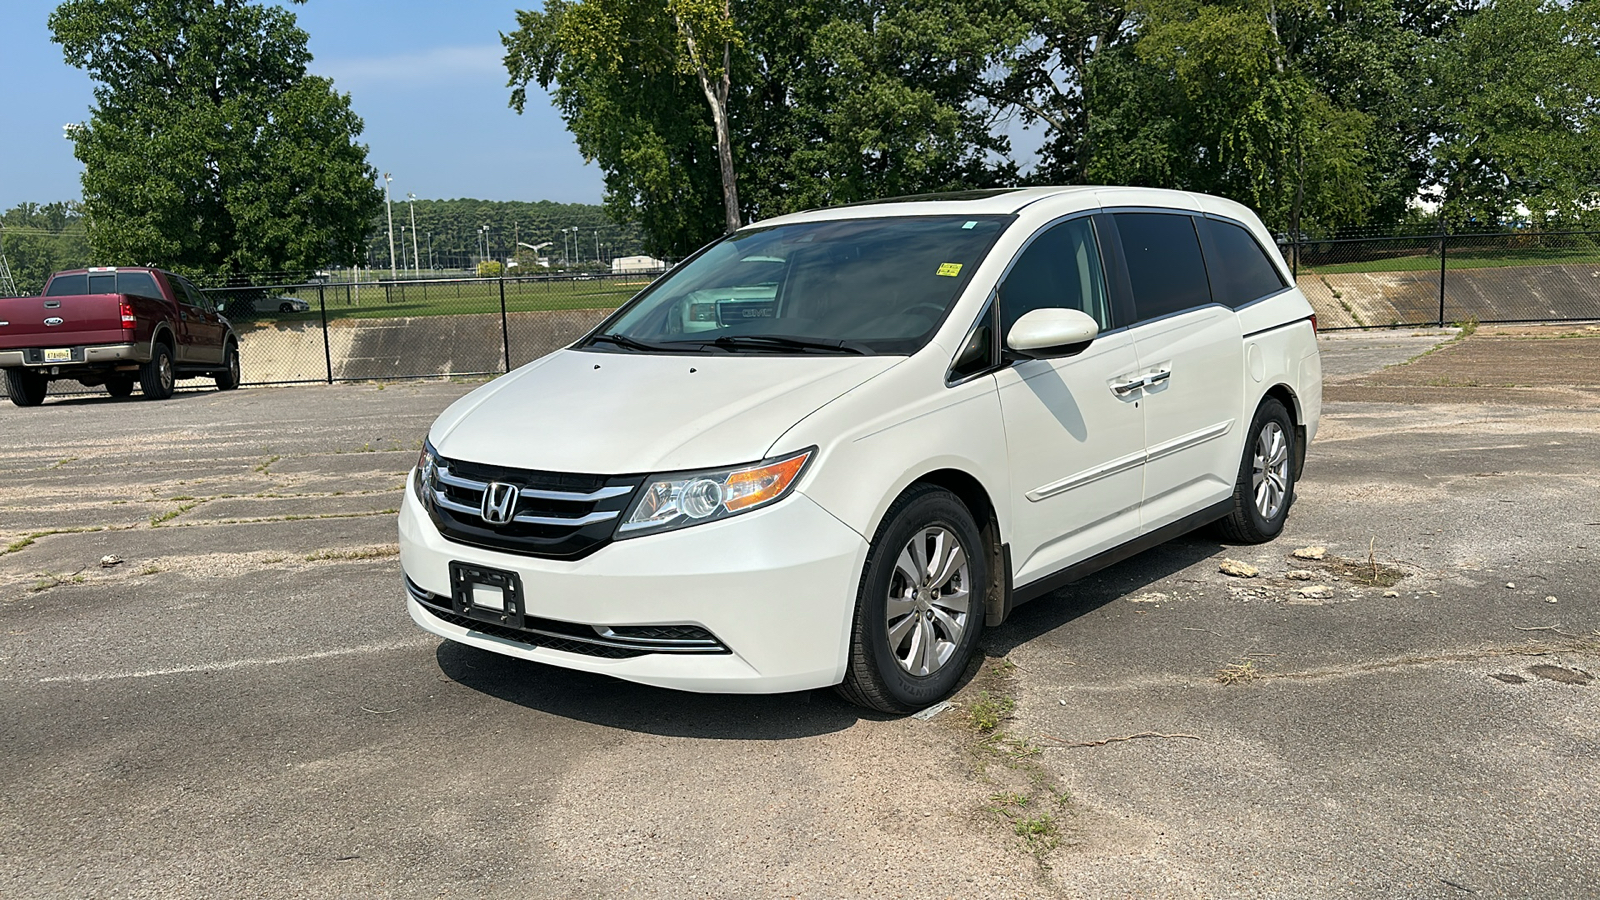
416 261
389 207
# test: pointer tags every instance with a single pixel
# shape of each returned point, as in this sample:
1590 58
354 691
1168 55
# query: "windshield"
851 286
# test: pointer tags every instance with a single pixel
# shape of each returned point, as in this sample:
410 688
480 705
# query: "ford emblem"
54 320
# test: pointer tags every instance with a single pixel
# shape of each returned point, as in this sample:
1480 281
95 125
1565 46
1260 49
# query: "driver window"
1060 269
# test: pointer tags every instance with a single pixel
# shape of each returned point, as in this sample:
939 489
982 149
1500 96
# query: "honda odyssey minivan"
832 447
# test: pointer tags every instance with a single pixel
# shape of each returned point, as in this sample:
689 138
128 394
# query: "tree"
825 102
1517 89
209 147
39 240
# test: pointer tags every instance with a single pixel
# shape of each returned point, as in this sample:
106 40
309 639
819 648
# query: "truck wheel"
228 378
156 377
119 386
26 388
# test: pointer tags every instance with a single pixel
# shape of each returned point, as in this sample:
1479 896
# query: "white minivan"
832 447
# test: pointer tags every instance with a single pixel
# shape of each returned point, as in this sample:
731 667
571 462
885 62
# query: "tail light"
1313 323
128 321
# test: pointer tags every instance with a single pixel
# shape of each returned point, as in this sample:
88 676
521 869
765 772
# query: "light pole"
403 243
597 245
389 207
484 256
416 260
430 251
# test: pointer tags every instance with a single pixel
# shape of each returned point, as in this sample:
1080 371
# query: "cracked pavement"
242 706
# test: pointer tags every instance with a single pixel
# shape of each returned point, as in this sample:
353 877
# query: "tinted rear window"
68 286
141 284
1240 269
1164 263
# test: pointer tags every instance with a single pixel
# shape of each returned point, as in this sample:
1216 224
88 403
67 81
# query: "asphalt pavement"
239 705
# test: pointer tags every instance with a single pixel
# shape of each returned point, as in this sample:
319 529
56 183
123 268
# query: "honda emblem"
499 502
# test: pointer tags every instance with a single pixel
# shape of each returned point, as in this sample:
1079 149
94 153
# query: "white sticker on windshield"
968 225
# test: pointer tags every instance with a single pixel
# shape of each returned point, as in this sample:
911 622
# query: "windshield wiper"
622 340
778 342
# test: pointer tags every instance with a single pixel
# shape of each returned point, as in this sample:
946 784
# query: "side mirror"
1052 333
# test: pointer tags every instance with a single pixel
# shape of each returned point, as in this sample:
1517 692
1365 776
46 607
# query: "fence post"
327 351
1441 277
505 332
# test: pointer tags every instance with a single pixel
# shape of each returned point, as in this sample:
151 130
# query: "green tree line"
39 239
1324 115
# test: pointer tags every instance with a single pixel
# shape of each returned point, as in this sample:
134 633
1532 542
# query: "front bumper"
776 588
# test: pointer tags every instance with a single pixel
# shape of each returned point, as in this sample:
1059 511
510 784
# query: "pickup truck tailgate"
60 321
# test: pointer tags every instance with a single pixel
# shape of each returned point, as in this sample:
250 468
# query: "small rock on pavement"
1316 592
1299 575
1391 593
1550 600
1511 585
108 561
1311 552
1238 569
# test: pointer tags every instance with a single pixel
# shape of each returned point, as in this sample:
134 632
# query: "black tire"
875 676
25 387
157 378
1253 518
119 386
286 307
228 378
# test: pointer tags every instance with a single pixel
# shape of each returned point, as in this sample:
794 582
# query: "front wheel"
1264 490
26 388
156 377
919 608
228 378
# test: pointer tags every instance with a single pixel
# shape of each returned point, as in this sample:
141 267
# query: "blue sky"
425 76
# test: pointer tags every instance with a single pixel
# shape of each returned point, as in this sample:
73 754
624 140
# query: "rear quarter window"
1165 268
1240 270
68 286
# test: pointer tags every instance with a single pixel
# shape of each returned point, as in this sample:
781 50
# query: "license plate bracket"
58 355
487 595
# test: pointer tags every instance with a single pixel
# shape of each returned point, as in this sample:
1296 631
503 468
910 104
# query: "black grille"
574 637
663 632
536 640
569 527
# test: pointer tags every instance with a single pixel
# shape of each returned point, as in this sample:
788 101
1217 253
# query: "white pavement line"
238 663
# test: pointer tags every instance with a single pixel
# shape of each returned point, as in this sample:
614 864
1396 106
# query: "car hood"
626 413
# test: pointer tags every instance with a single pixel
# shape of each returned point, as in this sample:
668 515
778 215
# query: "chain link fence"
360 331
1504 277
315 330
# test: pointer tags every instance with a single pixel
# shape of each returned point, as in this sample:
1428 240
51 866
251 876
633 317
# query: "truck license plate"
58 356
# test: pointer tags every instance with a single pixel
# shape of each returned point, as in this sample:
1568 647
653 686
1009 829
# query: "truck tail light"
128 321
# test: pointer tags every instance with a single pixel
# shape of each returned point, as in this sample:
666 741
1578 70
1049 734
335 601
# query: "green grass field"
370 301
1463 259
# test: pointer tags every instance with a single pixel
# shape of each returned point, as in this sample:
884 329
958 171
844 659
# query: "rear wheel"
919 608
119 386
27 388
228 378
1264 490
156 377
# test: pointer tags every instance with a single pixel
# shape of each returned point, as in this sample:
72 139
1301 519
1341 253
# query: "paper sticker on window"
950 269
968 226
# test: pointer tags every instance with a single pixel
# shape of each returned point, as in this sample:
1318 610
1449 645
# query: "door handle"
1128 387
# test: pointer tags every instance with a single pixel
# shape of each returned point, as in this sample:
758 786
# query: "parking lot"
236 704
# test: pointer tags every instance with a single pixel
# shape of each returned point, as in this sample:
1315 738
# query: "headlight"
668 502
427 463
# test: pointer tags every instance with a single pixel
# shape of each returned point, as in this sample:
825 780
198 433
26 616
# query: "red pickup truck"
110 326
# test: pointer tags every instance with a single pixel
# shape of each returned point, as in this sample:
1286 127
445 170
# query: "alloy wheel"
929 602
1270 474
